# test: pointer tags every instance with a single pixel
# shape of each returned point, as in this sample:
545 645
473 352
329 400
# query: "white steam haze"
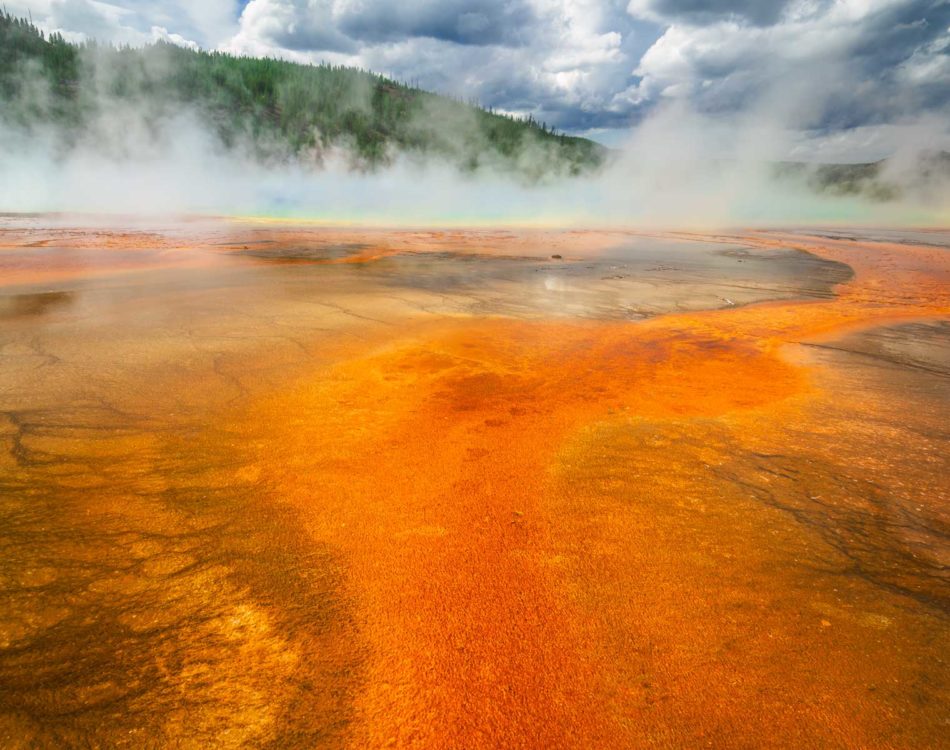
664 176
679 167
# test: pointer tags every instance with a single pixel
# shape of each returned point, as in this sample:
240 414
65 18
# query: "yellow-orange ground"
450 467
678 532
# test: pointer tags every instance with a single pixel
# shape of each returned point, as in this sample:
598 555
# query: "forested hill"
273 109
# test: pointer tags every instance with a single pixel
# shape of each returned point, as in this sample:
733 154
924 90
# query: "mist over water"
678 169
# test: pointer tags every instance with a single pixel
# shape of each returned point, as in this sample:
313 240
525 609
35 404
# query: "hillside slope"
276 110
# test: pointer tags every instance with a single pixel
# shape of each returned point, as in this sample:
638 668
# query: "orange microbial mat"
266 485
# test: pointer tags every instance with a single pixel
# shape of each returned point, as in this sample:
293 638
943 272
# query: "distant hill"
881 180
277 110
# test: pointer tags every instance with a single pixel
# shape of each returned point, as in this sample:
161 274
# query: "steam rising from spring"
679 168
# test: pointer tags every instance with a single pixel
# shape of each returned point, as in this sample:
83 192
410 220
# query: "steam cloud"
679 168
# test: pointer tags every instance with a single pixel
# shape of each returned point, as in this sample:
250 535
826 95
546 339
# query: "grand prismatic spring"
267 485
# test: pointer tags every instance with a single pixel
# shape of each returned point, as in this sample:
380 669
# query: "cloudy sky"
844 74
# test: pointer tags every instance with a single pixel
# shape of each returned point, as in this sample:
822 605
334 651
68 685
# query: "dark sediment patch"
153 597
317 253
34 305
929 237
624 283
923 346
